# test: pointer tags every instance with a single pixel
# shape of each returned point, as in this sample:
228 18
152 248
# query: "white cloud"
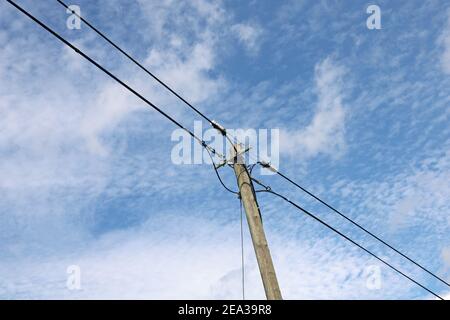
249 35
445 296
326 132
446 256
186 60
415 196
59 131
70 117
173 257
423 193
55 162
188 74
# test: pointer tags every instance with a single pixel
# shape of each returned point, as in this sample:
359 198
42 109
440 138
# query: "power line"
208 148
101 34
226 135
215 125
360 226
269 190
218 175
223 131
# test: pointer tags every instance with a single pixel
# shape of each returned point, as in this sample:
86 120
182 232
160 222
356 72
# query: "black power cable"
137 63
218 175
269 190
361 227
208 148
206 118
101 34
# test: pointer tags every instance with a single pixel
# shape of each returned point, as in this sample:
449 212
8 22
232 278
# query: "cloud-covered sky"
86 177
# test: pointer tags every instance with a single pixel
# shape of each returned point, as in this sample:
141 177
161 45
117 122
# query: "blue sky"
85 168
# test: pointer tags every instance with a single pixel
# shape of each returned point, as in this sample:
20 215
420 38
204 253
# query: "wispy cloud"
326 131
250 35
195 258
63 143
446 256
86 176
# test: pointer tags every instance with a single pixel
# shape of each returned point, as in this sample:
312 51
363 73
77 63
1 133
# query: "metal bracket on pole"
232 159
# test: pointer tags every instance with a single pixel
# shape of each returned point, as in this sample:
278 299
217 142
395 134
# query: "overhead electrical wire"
218 127
101 34
208 148
269 190
233 141
358 225
137 63
218 175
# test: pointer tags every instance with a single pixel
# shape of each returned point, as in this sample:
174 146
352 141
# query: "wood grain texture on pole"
253 214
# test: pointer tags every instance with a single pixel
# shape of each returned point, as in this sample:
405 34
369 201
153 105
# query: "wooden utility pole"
260 245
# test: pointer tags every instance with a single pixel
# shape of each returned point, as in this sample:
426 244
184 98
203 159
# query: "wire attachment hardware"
218 127
268 166
232 159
